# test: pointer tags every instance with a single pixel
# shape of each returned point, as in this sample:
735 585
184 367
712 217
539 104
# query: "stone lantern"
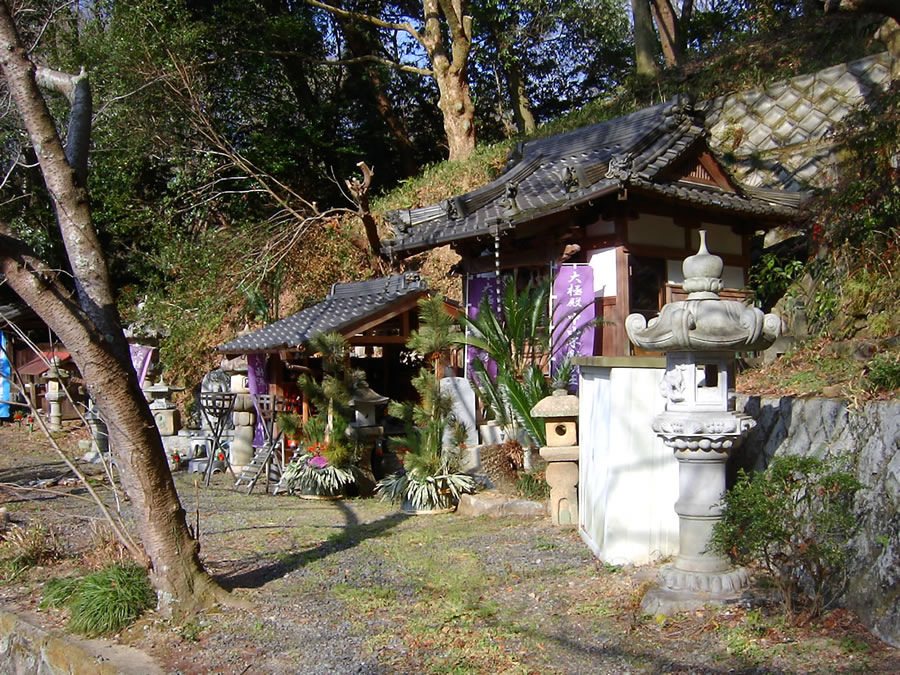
165 413
55 377
560 414
700 336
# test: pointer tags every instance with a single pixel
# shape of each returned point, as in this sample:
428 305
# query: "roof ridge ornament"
620 166
573 178
510 204
453 207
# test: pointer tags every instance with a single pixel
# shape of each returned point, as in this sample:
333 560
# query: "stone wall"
26 649
780 136
869 437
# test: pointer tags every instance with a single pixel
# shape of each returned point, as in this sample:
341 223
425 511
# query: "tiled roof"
345 305
554 173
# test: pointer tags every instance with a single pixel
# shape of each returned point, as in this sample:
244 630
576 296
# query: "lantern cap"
559 404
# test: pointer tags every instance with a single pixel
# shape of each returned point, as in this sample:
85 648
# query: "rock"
832 391
497 505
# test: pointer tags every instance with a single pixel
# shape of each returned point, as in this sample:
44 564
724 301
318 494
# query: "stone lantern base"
562 476
681 591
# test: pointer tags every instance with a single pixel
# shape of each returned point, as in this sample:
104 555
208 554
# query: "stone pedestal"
55 378
54 419
99 432
244 415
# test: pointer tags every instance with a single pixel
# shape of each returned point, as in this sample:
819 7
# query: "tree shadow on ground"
350 535
23 475
630 658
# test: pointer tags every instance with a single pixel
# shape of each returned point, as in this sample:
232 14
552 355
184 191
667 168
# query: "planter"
320 494
445 505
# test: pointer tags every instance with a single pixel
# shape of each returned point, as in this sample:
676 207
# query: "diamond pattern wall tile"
803 82
820 90
801 110
776 90
788 99
814 123
773 117
759 136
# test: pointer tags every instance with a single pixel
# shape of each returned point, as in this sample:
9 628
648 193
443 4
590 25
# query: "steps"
263 457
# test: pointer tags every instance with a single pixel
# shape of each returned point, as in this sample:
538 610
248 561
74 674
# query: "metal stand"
217 408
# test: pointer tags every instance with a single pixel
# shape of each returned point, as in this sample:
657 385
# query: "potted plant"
324 466
430 481
323 469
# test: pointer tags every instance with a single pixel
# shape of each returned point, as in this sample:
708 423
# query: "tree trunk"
91 331
450 72
669 31
518 99
644 39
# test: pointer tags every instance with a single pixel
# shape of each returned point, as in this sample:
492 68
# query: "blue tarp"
4 377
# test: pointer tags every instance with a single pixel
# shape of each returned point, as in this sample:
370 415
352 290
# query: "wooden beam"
374 319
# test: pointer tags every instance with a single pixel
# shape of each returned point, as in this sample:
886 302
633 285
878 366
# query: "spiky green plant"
434 437
517 338
437 331
103 602
325 480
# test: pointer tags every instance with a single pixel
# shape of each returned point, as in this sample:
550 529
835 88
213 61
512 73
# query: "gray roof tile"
345 305
550 174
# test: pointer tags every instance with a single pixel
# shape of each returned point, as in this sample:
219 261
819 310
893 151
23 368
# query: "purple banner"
140 359
573 312
257 384
476 288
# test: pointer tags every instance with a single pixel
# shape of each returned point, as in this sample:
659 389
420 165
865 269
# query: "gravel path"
354 586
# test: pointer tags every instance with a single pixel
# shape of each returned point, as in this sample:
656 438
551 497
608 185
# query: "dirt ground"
354 586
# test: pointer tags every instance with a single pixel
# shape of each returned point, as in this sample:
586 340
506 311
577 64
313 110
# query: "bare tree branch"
405 27
368 58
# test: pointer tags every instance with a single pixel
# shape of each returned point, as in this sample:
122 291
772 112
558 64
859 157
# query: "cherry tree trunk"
91 331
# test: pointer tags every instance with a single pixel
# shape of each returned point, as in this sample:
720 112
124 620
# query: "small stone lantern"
244 415
165 413
560 414
700 336
55 378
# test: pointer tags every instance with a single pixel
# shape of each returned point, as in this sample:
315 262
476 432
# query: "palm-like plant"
517 338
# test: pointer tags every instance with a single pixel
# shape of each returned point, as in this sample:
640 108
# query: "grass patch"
103 602
366 598
24 548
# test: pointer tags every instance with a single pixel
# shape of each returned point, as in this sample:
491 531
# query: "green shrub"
103 602
796 519
532 485
884 372
770 277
